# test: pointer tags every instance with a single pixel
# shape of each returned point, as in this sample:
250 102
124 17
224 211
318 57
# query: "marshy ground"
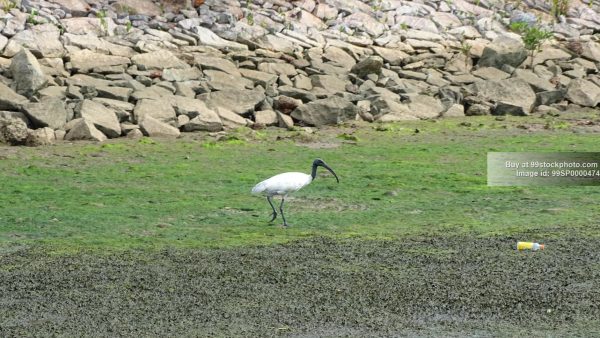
162 238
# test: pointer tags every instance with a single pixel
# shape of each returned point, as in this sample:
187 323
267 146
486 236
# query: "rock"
121 108
591 51
537 83
456 110
504 50
40 137
85 60
392 56
208 120
3 42
365 23
425 106
141 7
41 40
511 96
27 73
60 134
369 65
14 22
154 93
549 97
241 102
159 59
190 107
416 23
15 115
277 68
259 78
74 7
218 80
230 119
338 57
13 131
266 117
116 93
154 128
583 92
329 111
275 43
49 112
207 37
285 121
286 104
135 134
330 83
217 63
83 129
160 110
180 75
478 109
103 118
89 25
491 73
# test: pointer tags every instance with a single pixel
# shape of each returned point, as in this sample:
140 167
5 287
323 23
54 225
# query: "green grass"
196 193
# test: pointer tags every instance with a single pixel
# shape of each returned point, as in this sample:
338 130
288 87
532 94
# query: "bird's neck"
314 172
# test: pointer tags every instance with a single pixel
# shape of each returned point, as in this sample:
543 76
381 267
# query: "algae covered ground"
162 238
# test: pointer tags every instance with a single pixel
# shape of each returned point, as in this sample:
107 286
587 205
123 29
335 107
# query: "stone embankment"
96 69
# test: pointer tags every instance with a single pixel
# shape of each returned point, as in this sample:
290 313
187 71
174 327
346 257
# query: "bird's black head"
320 163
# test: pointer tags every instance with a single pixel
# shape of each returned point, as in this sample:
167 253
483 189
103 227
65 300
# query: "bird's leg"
272 207
281 210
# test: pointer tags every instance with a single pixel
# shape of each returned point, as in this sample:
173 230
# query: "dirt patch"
417 286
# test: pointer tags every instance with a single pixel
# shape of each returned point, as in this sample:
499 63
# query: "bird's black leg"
272 207
281 210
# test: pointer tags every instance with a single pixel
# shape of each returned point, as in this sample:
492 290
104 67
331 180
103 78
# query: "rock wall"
97 69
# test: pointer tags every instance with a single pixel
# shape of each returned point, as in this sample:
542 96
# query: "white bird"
286 183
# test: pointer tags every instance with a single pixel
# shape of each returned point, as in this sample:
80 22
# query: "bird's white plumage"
282 184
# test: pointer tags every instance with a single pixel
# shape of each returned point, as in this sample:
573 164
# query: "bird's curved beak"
331 171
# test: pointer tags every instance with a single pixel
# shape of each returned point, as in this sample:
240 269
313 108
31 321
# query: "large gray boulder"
329 111
159 59
241 102
161 110
425 106
504 50
509 97
13 131
41 40
207 120
49 112
83 129
583 92
85 60
155 128
103 118
27 73
40 137
9 100
369 65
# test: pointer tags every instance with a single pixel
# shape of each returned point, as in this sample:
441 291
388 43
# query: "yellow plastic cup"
529 246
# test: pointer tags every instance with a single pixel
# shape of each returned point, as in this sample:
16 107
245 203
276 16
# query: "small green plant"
7 5
404 26
32 18
250 19
560 7
101 14
128 26
264 24
465 49
533 37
